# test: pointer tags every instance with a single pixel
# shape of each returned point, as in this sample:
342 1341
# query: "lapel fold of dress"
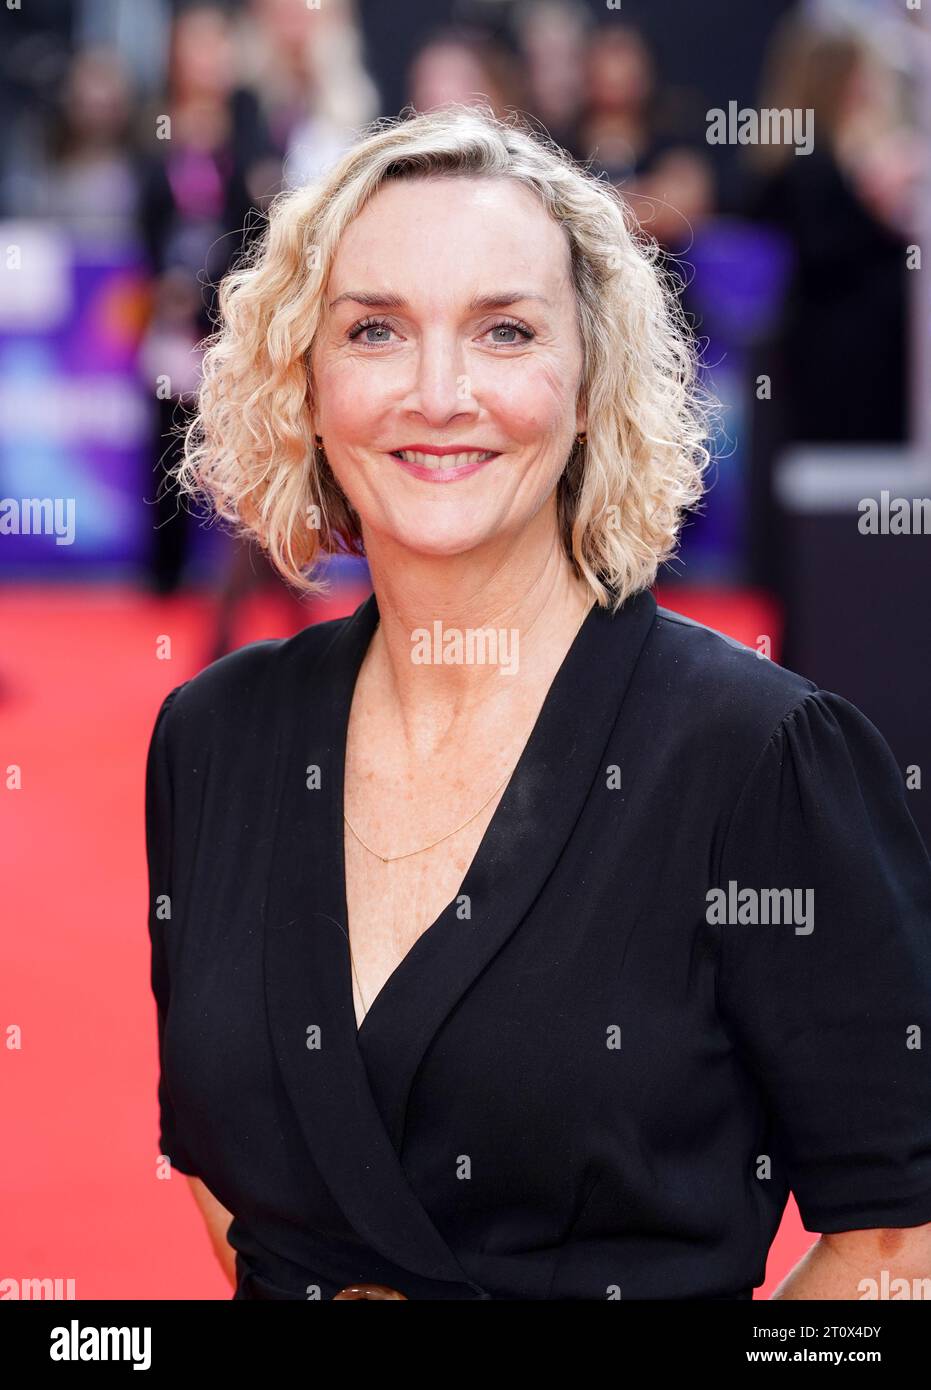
350 1089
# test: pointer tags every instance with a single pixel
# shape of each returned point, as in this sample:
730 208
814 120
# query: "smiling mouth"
446 461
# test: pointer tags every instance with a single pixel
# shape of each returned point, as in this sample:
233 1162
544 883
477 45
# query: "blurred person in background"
845 209
208 139
669 185
466 67
307 69
618 121
86 171
626 131
35 59
551 35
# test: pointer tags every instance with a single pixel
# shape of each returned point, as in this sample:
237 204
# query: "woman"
209 147
449 1006
844 211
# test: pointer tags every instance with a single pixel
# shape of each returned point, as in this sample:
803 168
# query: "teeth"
440 461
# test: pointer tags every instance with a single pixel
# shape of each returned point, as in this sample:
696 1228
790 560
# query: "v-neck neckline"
366 618
350 1087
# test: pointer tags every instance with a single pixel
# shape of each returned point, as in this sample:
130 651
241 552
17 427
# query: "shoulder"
235 690
724 664
715 689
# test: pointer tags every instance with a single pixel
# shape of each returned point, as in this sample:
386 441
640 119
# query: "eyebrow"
382 299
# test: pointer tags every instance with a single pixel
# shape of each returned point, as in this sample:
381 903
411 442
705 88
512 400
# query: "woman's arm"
836 1266
218 1223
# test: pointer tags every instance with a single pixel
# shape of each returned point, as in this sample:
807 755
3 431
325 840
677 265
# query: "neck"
526 592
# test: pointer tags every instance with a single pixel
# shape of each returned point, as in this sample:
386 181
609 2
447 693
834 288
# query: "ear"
581 416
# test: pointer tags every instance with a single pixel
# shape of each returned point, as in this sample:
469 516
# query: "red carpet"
80 684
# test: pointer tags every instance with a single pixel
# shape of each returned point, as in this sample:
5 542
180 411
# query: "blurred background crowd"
143 140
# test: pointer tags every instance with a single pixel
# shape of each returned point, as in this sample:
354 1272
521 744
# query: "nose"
442 389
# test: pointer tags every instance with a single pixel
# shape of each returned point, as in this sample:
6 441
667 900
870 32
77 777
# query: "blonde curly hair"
250 448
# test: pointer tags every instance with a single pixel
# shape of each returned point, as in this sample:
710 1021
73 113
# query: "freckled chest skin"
391 905
396 808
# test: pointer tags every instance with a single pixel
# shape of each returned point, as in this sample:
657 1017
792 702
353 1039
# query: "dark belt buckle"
369 1291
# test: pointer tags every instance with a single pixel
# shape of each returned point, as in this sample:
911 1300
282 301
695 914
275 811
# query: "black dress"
579 1083
850 289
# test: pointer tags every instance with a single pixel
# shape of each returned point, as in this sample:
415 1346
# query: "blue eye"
524 334
362 331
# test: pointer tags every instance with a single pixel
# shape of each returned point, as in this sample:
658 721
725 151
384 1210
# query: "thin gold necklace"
390 858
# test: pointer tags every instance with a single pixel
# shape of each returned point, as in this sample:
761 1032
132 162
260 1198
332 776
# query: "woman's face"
447 368
446 72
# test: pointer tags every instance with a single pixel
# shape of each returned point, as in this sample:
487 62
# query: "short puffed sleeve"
826 989
158 827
